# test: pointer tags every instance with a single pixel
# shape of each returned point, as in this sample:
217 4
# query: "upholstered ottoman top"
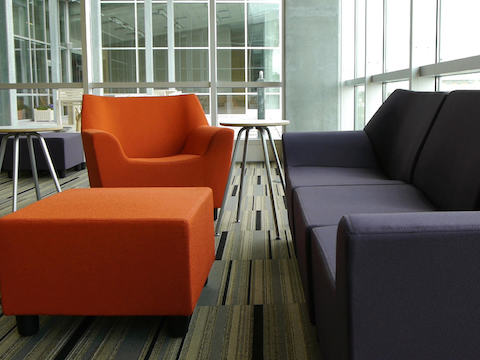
108 251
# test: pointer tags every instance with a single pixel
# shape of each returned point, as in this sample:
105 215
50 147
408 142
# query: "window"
165 43
428 45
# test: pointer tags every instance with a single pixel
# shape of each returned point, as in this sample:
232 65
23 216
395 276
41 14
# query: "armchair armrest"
408 285
200 139
332 148
96 142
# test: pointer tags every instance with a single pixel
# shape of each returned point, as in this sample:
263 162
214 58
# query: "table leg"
33 165
277 159
261 130
16 142
225 194
49 161
242 176
3 147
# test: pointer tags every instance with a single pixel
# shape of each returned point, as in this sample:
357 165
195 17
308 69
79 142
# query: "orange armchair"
154 141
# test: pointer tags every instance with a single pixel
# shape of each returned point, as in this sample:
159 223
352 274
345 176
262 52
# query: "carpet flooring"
252 308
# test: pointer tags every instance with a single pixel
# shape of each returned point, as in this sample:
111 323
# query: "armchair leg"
27 325
215 213
177 326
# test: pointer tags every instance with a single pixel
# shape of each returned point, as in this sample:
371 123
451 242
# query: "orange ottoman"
107 251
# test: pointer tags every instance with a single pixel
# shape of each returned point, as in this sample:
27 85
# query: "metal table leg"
277 159
242 176
225 194
261 130
33 165
49 161
16 143
3 147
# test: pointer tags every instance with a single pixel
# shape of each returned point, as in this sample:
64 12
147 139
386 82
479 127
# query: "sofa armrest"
201 138
329 148
408 285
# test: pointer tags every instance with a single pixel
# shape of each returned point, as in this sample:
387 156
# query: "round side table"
29 132
263 130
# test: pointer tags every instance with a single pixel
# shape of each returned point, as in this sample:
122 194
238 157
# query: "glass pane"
230 25
425 23
359 107
38 20
160 65
191 65
119 65
397 35
191 25
75 25
22 61
263 24
24 106
118 25
459 26
61 13
20 18
271 101
390 87
141 65
231 104
159 28
231 65
268 61
348 39
76 65
39 67
360 38
457 82
141 25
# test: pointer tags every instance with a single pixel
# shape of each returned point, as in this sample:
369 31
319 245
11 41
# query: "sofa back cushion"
448 168
398 129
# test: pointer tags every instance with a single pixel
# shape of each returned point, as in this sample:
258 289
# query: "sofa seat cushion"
300 176
323 303
325 205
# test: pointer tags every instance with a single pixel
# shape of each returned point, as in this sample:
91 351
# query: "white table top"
254 123
29 128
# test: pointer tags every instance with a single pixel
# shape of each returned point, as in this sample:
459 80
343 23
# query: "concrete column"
312 38
8 98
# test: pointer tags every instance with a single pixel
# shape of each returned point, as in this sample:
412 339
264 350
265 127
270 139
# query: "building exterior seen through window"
151 41
423 45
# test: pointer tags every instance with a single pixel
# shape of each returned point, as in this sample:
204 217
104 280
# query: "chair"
154 141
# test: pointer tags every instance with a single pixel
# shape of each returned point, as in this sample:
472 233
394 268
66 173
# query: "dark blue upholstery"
387 275
325 205
399 128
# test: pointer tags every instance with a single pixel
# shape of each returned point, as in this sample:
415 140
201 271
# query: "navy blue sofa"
386 230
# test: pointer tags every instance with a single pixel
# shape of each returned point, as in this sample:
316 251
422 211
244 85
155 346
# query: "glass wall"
423 45
149 47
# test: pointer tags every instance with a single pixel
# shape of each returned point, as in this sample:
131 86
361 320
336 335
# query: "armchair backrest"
146 127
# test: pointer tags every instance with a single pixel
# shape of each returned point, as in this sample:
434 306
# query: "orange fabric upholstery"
134 251
154 141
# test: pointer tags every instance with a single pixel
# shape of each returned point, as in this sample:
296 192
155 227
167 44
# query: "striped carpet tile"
253 306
